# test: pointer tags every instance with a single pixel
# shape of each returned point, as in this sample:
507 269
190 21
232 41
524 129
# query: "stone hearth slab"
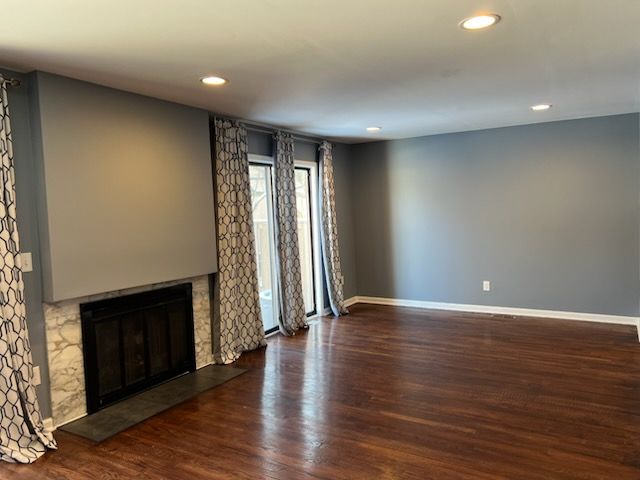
131 411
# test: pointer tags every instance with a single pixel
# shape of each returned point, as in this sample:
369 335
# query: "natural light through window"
305 242
262 204
261 178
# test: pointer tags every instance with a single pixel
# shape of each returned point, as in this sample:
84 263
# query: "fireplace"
133 342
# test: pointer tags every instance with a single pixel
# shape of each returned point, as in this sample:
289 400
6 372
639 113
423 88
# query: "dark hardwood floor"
394 393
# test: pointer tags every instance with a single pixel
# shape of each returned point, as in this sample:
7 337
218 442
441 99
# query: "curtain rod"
266 128
12 82
271 130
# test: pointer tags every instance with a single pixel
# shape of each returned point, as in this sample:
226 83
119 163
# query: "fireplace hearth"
133 342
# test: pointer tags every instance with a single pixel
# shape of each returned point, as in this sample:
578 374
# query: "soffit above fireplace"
125 190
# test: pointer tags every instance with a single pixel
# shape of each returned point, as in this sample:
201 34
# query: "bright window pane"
260 177
305 238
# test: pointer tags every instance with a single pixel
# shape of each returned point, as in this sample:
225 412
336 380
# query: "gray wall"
343 179
28 228
548 213
127 198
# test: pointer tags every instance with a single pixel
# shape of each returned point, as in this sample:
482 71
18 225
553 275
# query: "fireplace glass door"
136 341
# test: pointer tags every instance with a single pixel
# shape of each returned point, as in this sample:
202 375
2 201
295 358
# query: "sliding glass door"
263 229
260 172
305 237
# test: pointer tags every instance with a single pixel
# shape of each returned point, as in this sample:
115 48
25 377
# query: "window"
261 178
305 237
263 229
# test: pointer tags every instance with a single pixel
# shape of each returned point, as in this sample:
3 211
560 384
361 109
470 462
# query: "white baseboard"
51 427
62 424
48 424
205 365
518 312
350 301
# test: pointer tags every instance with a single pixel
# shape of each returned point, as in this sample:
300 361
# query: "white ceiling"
333 67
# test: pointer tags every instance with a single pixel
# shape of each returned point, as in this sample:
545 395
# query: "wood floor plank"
395 393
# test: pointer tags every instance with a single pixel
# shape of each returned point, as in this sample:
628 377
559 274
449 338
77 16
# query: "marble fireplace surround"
64 344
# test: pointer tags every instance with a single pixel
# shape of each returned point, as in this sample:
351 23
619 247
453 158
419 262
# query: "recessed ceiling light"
541 107
374 129
480 21
213 80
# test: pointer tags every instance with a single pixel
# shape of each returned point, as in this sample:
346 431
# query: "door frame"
259 160
315 225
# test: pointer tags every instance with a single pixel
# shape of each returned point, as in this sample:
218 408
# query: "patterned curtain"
329 232
292 311
237 323
23 438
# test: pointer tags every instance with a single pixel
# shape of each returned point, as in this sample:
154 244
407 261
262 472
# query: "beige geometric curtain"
292 311
237 323
329 232
23 438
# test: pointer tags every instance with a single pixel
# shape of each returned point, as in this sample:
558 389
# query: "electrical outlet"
27 262
486 285
37 380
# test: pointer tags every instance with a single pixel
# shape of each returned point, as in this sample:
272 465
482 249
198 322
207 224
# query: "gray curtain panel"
292 312
329 232
237 320
23 438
